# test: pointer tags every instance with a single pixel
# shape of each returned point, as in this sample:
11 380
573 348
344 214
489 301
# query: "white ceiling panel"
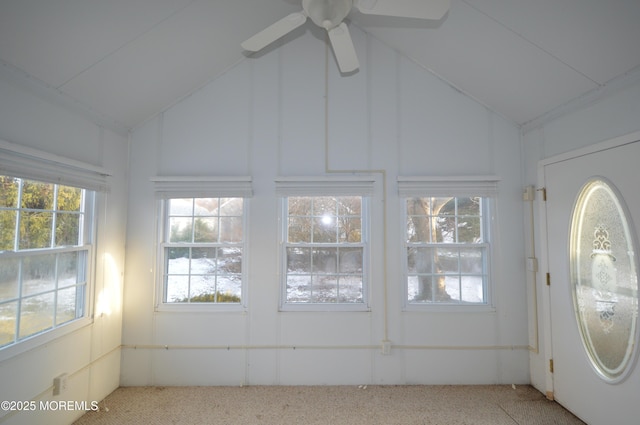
168 62
485 60
126 60
594 37
54 40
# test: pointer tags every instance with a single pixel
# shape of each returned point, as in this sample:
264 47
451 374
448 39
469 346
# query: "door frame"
541 278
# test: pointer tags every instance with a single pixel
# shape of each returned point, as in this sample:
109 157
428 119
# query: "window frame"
327 186
168 188
484 187
86 248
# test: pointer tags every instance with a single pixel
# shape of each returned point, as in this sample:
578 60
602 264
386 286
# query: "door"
593 201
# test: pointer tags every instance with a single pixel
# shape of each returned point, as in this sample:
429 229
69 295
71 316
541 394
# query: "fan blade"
343 48
422 9
274 32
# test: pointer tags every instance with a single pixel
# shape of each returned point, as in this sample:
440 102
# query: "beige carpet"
405 405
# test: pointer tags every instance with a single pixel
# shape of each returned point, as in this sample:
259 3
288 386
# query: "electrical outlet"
386 347
60 384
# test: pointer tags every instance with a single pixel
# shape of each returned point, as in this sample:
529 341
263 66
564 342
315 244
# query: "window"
45 235
446 241
203 249
202 242
446 250
324 251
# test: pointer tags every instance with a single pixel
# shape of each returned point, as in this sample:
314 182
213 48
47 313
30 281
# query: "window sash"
52 280
186 303
334 303
411 278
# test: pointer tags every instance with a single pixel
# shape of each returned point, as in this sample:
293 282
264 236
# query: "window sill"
320 308
200 308
449 308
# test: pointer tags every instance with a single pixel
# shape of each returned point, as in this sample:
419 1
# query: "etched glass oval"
604 278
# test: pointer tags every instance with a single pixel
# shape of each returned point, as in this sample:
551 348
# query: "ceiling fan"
330 14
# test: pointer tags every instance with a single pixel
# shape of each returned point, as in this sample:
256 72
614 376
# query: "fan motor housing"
327 14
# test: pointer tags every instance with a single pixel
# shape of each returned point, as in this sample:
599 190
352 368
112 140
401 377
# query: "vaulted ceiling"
126 60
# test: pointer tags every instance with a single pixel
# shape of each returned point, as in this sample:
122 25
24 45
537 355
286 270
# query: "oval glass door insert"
604 278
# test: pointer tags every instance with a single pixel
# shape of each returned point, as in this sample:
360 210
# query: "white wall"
90 355
266 118
614 114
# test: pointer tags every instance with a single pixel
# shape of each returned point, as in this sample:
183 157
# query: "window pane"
350 260
324 289
9 268
350 229
421 260
205 207
8 313
67 229
38 274
471 260
229 260
469 230
35 229
231 207
178 260
205 230
181 229
202 288
69 198
469 206
299 229
350 289
324 229
472 289
181 207
8 192
230 289
299 206
324 205
203 261
66 307
447 261
7 230
350 205
177 288
230 229
68 272
36 314
36 195
298 260
298 288
325 260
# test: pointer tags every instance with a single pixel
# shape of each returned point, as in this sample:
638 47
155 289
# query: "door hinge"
548 279
543 190
551 365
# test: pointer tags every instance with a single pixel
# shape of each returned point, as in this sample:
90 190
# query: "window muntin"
324 251
446 250
45 232
203 251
